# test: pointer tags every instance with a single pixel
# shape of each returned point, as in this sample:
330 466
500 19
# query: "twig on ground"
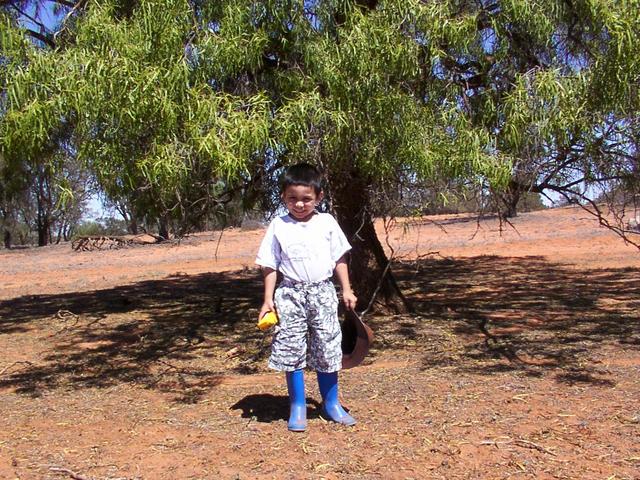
66 315
71 473
528 444
14 363
496 443
520 442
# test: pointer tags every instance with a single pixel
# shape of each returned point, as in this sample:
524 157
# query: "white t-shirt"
303 251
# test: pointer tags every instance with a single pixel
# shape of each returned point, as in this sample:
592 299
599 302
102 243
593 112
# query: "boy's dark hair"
302 174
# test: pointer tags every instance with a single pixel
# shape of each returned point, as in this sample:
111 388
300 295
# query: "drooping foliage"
175 105
177 96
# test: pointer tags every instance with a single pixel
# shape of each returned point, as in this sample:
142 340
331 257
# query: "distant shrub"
101 227
89 228
531 202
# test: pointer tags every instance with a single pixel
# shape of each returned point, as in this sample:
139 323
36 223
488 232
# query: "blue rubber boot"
331 408
297 400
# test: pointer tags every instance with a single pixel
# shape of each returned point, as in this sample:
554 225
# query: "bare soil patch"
523 360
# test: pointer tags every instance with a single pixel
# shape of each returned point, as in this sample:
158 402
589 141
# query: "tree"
33 201
556 85
352 79
176 105
513 94
147 125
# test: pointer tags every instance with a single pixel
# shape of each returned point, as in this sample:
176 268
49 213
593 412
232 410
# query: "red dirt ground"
521 361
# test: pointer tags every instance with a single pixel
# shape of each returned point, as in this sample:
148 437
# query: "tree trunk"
163 227
369 268
132 225
44 232
43 219
60 232
67 233
511 210
43 223
510 199
7 239
129 217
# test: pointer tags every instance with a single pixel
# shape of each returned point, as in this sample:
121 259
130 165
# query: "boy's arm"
270 277
342 272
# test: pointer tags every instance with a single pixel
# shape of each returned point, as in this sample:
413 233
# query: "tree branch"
43 37
39 36
65 3
586 202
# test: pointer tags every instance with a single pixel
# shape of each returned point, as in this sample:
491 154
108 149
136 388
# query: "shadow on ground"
183 334
522 313
267 408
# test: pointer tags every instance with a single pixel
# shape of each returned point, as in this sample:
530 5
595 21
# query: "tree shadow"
523 314
458 219
182 335
179 335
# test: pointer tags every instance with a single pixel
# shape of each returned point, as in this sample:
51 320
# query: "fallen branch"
520 442
88 243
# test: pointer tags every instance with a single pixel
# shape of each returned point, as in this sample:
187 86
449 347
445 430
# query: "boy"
307 248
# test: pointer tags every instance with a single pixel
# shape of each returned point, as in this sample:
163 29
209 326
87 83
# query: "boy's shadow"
267 408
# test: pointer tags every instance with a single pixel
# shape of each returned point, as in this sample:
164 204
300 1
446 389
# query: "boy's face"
301 201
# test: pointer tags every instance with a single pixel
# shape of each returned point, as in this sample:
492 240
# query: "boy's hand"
267 306
349 299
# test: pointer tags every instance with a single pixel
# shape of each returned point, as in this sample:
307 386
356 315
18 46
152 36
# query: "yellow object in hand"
267 321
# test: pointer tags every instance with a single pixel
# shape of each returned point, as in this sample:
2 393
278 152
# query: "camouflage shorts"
308 331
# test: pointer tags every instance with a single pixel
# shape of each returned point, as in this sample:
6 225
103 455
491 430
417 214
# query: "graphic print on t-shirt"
297 251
